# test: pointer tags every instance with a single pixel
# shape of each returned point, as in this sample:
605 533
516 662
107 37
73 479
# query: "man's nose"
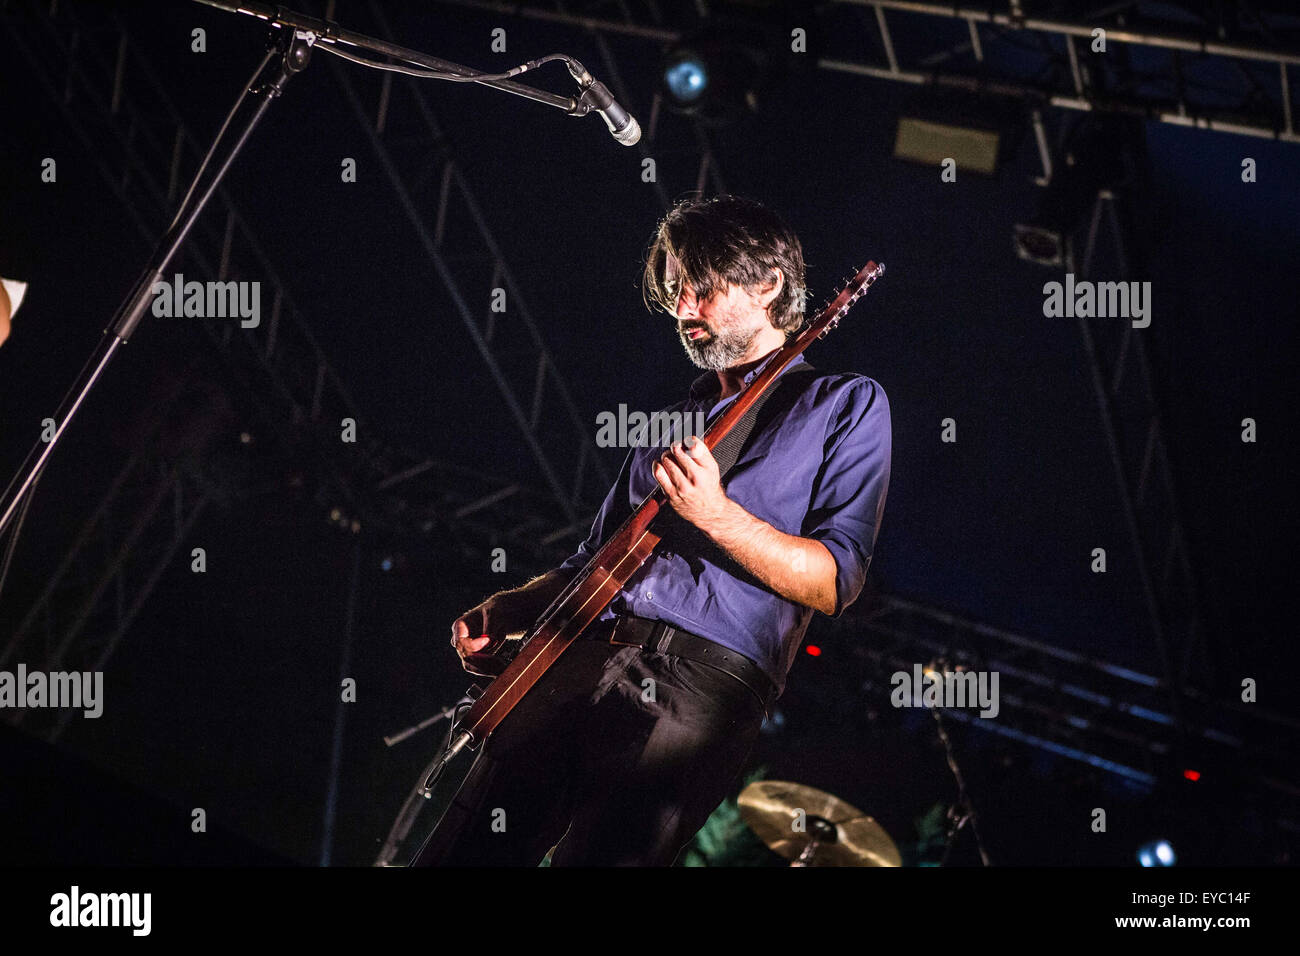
686 304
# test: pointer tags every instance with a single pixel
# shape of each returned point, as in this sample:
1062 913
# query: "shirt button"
649 595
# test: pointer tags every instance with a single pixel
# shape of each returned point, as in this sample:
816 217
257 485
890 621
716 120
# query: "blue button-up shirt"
817 466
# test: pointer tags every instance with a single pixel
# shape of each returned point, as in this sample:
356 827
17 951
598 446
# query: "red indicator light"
814 650
1192 775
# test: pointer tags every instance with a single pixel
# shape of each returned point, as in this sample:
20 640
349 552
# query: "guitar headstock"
855 289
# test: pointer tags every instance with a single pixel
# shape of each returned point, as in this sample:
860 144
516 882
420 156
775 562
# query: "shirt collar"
707 385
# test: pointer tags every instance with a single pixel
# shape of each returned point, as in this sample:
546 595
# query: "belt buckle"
661 642
620 623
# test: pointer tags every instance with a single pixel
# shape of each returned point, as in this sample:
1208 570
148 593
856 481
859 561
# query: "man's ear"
772 288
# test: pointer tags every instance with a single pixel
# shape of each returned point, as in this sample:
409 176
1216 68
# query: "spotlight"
1099 155
1039 244
393 562
1157 853
686 78
718 72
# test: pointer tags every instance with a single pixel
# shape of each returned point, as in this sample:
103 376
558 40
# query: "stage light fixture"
930 142
1157 853
686 78
1040 244
1098 156
975 131
718 72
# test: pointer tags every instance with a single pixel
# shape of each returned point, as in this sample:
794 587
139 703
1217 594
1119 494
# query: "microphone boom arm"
330 36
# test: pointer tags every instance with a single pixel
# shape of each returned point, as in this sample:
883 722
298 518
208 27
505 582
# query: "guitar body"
574 611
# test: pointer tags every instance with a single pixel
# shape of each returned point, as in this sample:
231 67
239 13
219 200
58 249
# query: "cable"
428 74
198 176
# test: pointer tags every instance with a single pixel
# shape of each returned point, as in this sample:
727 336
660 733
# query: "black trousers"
616 758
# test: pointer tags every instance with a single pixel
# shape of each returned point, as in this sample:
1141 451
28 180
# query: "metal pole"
340 712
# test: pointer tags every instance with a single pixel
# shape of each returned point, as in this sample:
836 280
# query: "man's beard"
720 350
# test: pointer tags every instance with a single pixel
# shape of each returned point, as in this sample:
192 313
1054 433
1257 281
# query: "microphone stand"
962 811
393 739
422 790
327 31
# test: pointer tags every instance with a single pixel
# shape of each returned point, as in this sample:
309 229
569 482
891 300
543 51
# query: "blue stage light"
686 79
1156 853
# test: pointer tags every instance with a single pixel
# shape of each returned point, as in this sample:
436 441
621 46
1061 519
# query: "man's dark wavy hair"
726 240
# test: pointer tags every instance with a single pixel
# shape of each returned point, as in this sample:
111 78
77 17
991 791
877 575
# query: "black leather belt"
665 639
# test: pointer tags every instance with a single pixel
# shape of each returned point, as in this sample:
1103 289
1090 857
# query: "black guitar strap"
728 450
680 535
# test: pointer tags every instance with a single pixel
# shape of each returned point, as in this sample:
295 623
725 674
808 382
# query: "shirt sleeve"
613 512
848 496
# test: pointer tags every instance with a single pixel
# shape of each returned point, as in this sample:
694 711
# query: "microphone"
622 124
596 96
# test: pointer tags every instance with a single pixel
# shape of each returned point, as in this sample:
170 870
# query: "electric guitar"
518 664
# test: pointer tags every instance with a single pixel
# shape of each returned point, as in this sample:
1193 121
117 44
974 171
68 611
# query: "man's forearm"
799 569
528 601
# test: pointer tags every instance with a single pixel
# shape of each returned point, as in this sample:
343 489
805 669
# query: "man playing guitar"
634 735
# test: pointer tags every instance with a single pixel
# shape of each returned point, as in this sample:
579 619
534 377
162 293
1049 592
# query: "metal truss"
1135 437
1112 718
1116 355
1168 89
1076 81
468 513
107 574
514 351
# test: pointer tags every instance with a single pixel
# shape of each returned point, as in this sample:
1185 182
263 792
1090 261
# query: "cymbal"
789 816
